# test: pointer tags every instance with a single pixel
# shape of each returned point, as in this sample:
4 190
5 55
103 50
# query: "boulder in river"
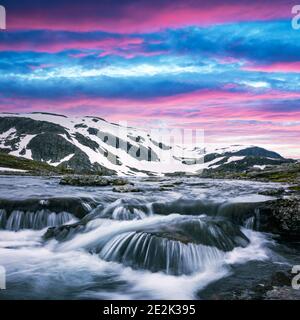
92 181
281 216
273 192
126 188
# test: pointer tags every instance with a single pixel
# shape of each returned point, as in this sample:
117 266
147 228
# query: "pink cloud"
208 104
275 67
67 44
223 115
143 16
40 66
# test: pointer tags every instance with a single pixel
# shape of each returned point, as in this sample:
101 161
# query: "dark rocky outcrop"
29 126
63 233
81 164
257 152
273 192
218 233
86 141
281 217
277 286
55 147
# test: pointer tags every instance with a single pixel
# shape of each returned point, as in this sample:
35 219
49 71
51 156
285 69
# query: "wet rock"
167 185
126 188
68 231
218 233
281 278
165 189
63 233
283 293
185 206
118 182
276 286
281 217
273 192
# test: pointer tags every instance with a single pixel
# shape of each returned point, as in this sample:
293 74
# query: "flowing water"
180 238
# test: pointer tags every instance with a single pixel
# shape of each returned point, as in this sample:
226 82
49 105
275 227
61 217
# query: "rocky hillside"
93 145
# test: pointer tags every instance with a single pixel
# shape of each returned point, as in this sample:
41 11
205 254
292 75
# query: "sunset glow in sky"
229 67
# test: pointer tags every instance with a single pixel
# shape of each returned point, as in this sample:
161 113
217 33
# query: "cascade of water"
257 218
121 213
146 251
18 219
249 223
174 244
126 209
3 218
87 206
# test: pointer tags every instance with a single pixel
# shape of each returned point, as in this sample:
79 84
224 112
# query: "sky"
230 68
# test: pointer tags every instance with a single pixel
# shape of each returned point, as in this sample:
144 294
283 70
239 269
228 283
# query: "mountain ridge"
93 145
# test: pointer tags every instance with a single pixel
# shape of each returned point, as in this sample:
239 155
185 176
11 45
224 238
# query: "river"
179 238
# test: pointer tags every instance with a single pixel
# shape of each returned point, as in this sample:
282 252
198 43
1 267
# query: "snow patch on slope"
234 159
262 167
23 146
2 169
173 158
67 158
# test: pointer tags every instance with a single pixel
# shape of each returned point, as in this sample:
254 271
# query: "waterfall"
253 222
249 223
146 251
126 209
257 218
87 206
121 213
18 219
173 244
3 219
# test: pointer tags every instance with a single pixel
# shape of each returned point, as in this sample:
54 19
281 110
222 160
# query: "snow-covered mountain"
91 144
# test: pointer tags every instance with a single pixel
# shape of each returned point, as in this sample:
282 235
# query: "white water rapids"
133 247
57 267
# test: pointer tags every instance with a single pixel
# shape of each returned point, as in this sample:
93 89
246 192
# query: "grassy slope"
289 173
9 161
285 173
